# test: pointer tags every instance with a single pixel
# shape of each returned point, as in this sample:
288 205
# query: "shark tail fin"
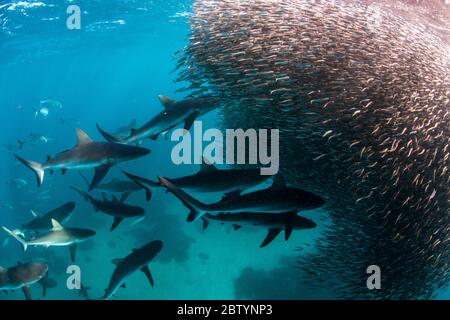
197 208
86 196
36 167
109 137
18 238
142 182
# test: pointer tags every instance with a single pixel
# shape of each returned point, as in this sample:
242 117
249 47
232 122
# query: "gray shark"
274 222
276 199
86 154
22 276
211 179
137 260
115 208
34 139
58 236
174 113
43 223
124 188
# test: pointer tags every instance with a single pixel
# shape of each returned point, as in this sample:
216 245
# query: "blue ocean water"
111 72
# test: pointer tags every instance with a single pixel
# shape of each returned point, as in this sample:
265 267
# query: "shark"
115 208
58 236
122 187
86 154
278 198
22 276
174 113
138 259
43 223
274 222
211 179
33 139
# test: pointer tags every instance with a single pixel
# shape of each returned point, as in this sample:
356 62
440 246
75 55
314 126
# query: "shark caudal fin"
86 196
197 208
142 182
36 167
109 137
18 238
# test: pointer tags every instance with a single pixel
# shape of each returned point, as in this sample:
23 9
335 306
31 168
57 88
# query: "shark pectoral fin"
205 223
100 173
73 251
27 292
116 222
147 273
271 234
236 227
289 224
124 196
116 261
189 121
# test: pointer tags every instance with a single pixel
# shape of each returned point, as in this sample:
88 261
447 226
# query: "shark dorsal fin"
34 213
82 137
207 166
56 225
167 102
278 182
